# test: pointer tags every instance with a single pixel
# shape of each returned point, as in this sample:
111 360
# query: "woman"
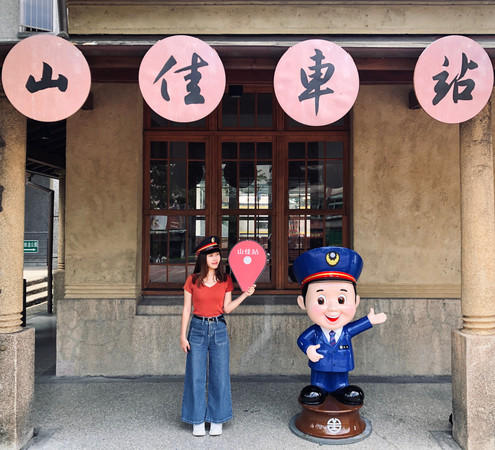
209 291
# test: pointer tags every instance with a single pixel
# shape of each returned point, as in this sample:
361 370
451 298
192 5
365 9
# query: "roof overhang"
380 59
248 59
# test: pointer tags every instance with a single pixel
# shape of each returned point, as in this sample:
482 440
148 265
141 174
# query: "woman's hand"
250 291
229 305
184 343
186 314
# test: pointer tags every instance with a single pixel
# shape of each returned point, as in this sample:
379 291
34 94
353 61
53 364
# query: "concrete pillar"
16 343
61 223
59 275
473 347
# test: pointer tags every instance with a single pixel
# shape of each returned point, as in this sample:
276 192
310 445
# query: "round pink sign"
453 79
182 78
316 82
46 78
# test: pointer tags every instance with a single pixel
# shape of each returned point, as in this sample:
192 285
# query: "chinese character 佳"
46 81
316 80
193 78
442 87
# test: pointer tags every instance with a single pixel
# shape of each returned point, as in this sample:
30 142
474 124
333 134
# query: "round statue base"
331 422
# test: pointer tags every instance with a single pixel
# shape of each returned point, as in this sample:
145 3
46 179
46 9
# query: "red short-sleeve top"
208 301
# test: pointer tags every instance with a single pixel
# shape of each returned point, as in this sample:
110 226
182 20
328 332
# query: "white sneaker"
215 429
199 429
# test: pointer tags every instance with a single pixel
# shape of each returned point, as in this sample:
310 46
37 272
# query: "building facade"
140 191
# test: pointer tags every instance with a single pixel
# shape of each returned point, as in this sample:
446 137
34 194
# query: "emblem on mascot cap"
332 258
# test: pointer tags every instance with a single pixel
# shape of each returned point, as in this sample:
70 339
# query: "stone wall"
406 197
116 337
285 18
104 194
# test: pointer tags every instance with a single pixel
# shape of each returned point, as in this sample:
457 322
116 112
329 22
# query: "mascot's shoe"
349 395
312 395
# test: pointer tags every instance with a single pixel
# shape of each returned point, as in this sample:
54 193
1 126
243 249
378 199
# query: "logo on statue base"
331 422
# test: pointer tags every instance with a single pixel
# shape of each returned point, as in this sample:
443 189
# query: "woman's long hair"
201 270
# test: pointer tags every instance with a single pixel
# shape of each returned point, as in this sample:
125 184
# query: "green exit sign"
31 246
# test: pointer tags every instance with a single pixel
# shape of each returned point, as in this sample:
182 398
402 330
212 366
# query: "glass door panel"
172 241
245 172
312 231
176 220
247 110
316 186
246 175
246 201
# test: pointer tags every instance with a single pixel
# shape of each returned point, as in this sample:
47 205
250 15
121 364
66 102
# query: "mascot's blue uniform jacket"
321 264
336 358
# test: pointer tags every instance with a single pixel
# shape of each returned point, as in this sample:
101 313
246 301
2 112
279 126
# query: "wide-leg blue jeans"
207 360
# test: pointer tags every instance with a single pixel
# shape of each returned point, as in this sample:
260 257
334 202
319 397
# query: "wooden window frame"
213 135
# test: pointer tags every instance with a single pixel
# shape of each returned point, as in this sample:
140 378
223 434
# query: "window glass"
297 150
246 150
264 150
264 186
334 184
176 183
295 124
335 149
241 174
172 242
312 231
316 182
249 111
297 185
196 194
229 185
229 111
196 150
229 150
246 183
178 150
316 149
316 192
157 121
159 150
36 15
333 231
247 116
158 184
177 198
264 110
158 232
229 232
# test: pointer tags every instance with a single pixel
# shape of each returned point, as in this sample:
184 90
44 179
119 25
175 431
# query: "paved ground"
144 413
